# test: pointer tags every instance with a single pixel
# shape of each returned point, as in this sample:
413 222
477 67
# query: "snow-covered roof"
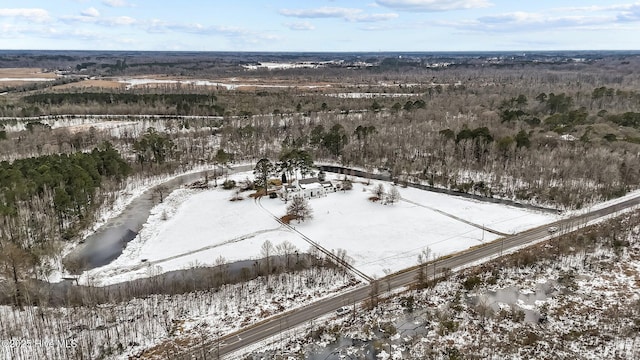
310 183
315 185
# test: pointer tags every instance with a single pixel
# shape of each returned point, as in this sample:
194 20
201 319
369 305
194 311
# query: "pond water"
107 243
415 324
172 282
516 298
345 347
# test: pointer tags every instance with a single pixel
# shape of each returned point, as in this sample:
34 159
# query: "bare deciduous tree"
299 209
267 251
394 195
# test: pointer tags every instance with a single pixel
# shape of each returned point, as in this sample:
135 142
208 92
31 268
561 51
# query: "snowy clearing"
132 83
197 227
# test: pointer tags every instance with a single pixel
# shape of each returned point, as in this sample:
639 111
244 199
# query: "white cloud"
88 26
236 35
348 14
157 26
433 5
90 12
595 8
393 27
49 32
200 29
116 3
36 15
518 17
323 12
375 17
605 17
300 26
104 21
631 14
528 22
121 20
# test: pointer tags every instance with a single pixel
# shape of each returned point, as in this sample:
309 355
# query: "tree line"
43 199
547 150
179 103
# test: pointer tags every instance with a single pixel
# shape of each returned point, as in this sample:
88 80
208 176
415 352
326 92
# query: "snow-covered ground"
362 95
581 302
199 226
281 66
115 126
134 188
131 83
123 330
627 196
7 79
196 227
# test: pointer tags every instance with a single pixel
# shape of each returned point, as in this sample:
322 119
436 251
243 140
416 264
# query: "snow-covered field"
4 79
131 83
280 66
199 226
579 303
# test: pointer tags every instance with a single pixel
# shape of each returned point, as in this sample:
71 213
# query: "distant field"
168 82
21 76
17 73
92 83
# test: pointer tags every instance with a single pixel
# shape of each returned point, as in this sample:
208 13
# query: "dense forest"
548 130
47 198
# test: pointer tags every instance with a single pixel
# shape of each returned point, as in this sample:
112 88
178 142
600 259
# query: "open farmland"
26 73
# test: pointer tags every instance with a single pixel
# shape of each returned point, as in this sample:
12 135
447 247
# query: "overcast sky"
320 25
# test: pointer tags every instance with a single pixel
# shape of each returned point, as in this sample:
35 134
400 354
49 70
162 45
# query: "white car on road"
342 311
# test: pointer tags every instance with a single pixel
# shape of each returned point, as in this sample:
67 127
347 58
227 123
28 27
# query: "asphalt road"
273 326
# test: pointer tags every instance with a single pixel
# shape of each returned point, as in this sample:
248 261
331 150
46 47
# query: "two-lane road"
304 315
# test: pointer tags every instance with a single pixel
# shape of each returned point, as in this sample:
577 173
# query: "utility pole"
434 269
281 337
